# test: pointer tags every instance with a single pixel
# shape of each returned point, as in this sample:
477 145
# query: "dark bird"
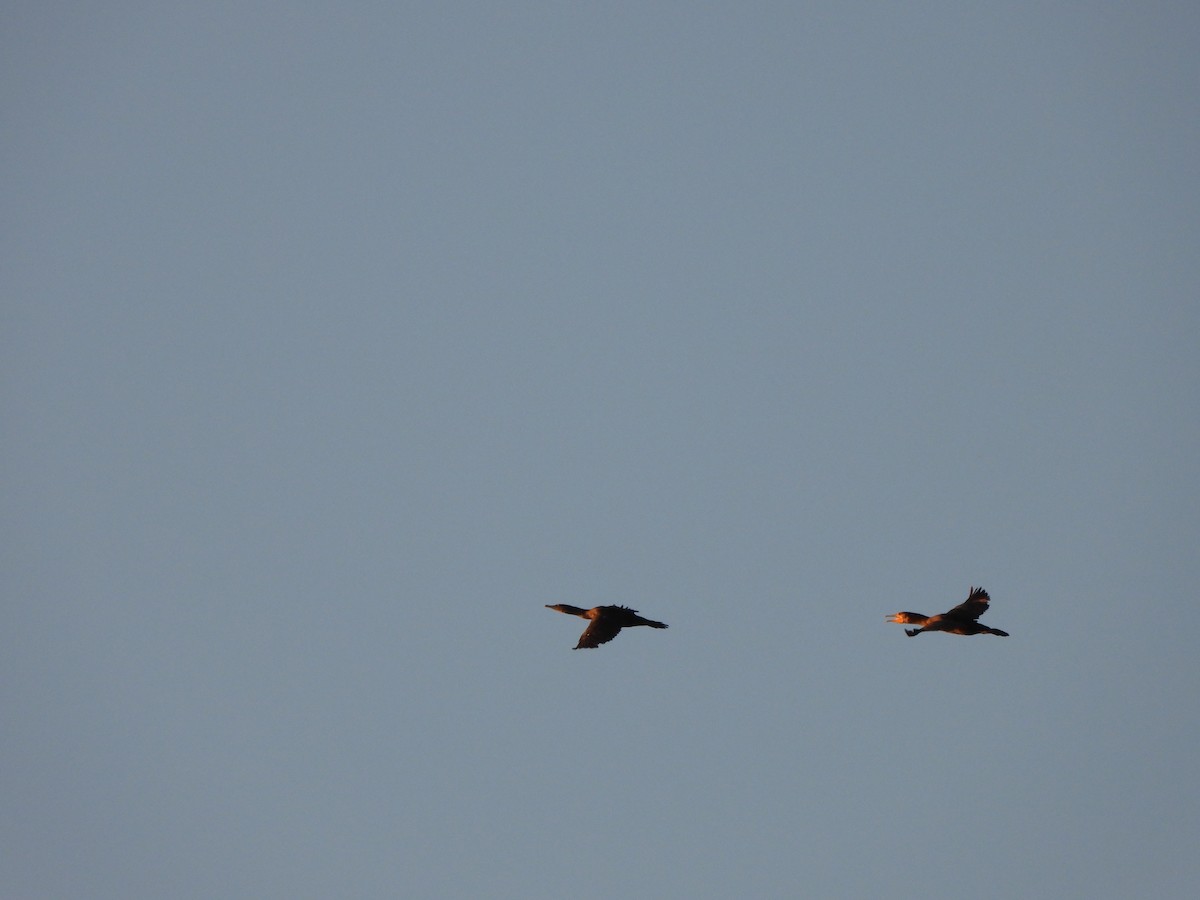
960 620
606 624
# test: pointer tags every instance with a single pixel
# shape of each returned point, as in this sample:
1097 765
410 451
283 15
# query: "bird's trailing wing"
973 607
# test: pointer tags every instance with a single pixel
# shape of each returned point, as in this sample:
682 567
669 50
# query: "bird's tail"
651 623
997 632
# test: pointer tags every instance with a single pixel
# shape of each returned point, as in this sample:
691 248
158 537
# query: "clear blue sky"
338 339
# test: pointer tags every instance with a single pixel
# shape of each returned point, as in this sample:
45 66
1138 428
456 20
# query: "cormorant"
606 622
960 620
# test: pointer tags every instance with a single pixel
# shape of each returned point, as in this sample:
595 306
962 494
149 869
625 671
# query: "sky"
338 340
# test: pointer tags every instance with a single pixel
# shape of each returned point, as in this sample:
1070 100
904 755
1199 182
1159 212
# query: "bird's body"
960 620
606 622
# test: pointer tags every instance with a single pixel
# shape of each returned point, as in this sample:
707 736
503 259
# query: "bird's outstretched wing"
973 607
599 631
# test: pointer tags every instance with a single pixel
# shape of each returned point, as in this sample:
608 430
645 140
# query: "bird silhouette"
960 620
606 622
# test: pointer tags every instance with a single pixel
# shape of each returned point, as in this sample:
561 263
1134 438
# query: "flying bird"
960 620
606 622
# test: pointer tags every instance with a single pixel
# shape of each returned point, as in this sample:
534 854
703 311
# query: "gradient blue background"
338 339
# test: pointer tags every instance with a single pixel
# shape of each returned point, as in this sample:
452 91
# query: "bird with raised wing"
606 622
960 620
